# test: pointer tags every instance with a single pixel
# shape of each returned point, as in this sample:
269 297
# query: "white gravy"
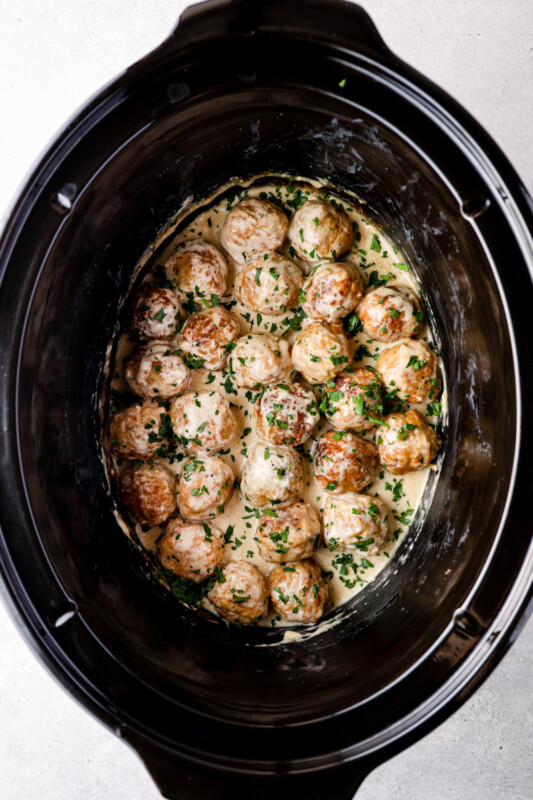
372 251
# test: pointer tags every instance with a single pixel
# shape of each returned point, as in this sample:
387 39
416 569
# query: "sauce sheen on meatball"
286 414
319 231
155 370
298 591
253 227
203 421
209 336
269 284
345 462
260 359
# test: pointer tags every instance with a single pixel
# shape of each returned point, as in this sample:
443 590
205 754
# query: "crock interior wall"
388 627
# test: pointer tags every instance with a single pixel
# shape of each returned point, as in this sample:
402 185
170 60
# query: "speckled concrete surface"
53 56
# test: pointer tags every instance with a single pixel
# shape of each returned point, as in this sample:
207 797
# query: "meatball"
411 368
389 313
209 336
353 401
345 462
154 370
293 533
320 231
253 227
285 414
205 486
138 431
269 284
155 313
261 360
408 443
190 550
203 421
272 475
240 594
298 591
356 522
320 352
149 493
199 269
332 291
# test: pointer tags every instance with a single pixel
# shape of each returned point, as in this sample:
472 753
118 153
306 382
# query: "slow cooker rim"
13 227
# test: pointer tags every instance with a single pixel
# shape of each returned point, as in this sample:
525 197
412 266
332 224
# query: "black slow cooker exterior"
299 87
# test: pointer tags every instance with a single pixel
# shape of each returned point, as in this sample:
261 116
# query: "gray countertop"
52 57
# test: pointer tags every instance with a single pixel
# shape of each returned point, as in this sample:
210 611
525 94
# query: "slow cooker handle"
339 21
184 780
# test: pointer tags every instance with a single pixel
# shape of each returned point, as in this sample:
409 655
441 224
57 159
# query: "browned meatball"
345 462
190 550
149 493
320 231
272 475
203 421
253 227
198 268
156 371
206 485
412 369
155 313
389 313
356 523
260 360
286 414
290 533
320 352
352 401
298 591
240 594
138 431
209 336
270 284
332 291
408 443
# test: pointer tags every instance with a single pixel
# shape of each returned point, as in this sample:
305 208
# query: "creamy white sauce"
239 520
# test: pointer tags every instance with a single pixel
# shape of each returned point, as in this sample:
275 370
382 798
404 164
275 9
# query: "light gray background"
53 55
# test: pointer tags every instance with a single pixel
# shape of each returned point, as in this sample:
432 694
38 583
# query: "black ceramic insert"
308 88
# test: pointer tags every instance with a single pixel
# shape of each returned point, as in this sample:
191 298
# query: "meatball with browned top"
190 550
356 523
408 443
138 431
269 284
332 291
389 313
203 421
240 593
345 462
319 231
155 313
411 369
353 401
253 227
156 371
298 591
205 487
260 359
286 414
320 352
290 533
149 492
209 336
198 270
272 475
